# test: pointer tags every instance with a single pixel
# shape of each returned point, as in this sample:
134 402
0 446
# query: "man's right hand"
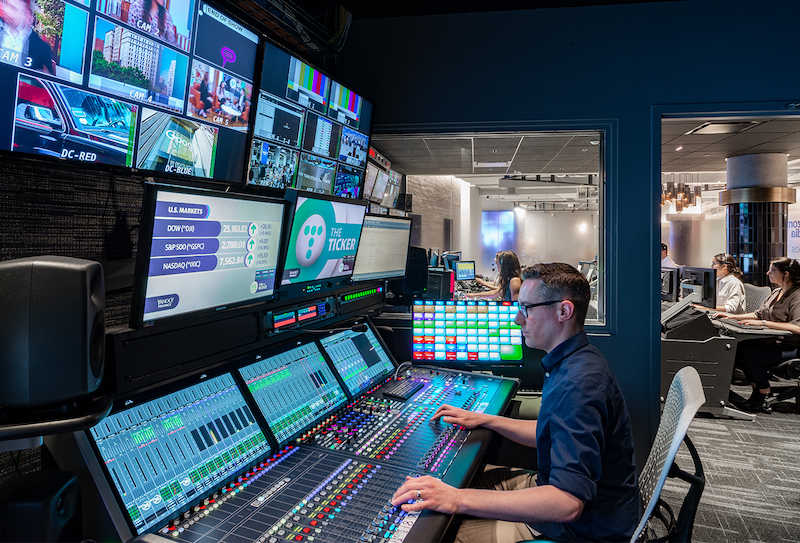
460 417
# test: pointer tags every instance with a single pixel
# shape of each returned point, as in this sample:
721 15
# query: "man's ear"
566 311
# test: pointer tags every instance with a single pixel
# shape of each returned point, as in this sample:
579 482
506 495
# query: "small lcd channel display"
293 387
323 237
383 250
174 446
359 357
466 334
204 250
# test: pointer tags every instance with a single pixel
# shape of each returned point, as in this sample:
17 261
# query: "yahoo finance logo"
310 240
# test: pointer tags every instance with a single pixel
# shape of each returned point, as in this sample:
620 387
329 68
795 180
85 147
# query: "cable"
400 367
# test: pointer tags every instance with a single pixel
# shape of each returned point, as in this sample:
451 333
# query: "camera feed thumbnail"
64 122
354 147
315 174
48 37
348 182
345 105
321 136
133 67
272 165
219 98
178 146
308 87
278 121
225 43
164 20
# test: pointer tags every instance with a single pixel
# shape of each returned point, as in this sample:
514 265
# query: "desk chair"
788 370
684 398
754 296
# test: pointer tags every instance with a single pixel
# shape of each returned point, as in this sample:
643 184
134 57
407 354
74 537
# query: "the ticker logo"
310 240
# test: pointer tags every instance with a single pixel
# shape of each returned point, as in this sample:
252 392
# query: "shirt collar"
563 350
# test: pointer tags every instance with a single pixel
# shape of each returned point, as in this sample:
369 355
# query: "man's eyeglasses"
523 308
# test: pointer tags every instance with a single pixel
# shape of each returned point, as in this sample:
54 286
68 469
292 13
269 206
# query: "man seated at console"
586 488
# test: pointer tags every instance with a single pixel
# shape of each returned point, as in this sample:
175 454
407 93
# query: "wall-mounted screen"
466 334
294 109
323 239
204 250
348 182
383 249
127 84
392 189
273 165
379 189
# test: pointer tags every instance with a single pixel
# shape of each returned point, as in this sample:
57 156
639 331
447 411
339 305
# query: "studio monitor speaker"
404 201
41 506
52 330
416 279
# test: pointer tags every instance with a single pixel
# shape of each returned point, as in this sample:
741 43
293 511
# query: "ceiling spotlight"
595 142
679 147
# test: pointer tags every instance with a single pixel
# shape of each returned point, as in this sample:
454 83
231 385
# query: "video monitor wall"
128 83
304 114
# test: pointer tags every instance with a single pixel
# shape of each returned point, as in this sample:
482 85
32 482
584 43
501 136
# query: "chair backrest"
754 296
684 398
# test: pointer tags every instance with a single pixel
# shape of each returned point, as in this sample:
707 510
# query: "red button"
326 509
313 523
298 538
306 530
320 515
333 502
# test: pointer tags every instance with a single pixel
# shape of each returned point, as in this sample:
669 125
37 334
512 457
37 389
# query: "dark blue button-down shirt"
585 446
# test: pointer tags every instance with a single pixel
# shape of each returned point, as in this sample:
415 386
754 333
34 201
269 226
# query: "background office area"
618 75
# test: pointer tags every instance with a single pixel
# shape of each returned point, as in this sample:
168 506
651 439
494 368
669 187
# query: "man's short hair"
561 281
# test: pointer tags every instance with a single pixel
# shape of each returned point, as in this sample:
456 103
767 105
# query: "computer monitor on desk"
701 280
465 270
670 284
449 259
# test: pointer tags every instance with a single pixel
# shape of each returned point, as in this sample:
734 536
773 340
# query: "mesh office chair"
754 296
684 398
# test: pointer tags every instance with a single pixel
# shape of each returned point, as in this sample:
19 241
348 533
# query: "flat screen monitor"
273 165
433 256
466 334
323 238
370 177
173 448
293 387
204 250
392 189
465 270
103 83
379 189
359 357
702 280
450 258
670 284
304 110
348 182
383 250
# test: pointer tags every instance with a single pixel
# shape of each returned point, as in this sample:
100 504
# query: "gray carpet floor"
752 470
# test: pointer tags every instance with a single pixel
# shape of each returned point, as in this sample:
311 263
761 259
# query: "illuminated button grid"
466 331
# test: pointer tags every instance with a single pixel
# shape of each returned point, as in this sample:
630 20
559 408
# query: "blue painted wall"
622 65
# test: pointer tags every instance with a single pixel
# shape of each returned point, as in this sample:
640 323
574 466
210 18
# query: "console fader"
334 482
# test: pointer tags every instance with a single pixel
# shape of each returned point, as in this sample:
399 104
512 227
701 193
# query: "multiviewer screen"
383 248
166 453
293 389
210 251
458 331
358 357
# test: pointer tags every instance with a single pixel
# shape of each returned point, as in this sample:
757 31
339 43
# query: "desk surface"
749 333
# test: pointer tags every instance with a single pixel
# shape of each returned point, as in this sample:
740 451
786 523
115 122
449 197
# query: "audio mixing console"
239 458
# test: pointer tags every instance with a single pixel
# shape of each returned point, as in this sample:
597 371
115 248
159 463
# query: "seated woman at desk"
508 282
780 311
730 290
